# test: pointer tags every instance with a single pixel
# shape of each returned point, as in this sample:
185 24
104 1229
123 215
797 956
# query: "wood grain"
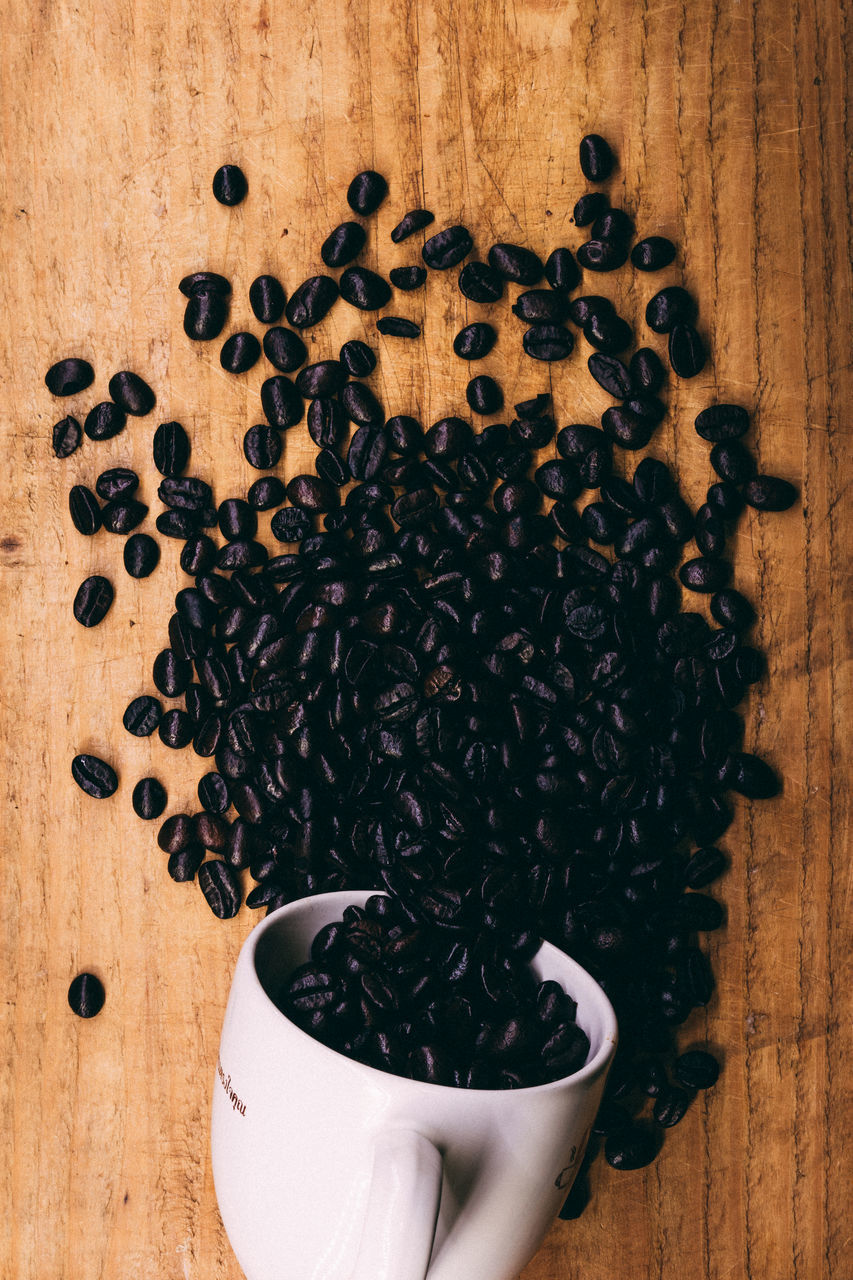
732 124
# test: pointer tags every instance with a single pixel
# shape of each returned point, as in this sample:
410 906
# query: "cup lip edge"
590 1070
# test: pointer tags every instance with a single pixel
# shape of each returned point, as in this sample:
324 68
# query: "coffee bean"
611 374
94 776
474 341
613 224
407 278
85 510
333 469
647 371
67 377
687 354
324 378
514 262
66 437
596 158
731 609
149 798
366 192
205 314
310 493
116 482
92 601
562 272
220 887
602 255
360 405
631 1148
364 289
131 393
671 1106
702 574
732 461
176 729
240 352
696 1069
86 995
281 403
214 795
311 301
726 499
537 306
184 493
204 282
607 332
267 299
769 493
398 327
480 283
284 349
547 342
484 395
123 514
104 421
446 248
653 253
229 184
182 866
171 673
670 306
265 493
343 244
171 448
142 716
625 428
414 220
357 358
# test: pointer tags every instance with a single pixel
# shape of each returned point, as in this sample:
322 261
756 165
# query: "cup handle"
402 1208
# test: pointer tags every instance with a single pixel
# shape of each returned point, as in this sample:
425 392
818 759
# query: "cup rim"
356 897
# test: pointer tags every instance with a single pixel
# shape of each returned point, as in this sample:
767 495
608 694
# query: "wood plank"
732 126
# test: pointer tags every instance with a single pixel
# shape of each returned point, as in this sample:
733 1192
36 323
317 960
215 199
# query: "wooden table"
731 122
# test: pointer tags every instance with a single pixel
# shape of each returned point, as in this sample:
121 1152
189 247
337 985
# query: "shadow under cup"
326 1167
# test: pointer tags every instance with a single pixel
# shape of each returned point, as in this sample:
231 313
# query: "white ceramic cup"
326 1169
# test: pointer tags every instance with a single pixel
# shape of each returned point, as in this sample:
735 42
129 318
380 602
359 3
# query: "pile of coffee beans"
458 679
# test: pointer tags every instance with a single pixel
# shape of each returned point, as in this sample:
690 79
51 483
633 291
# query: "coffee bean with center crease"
237 519
85 510
66 437
613 224
647 371
221 888
704 574
176 729
484 395
240 352
267 299
324 378
123 514
602 255
86 995
265 493
653 253
343 244
548 342
398 327
171 674
480 282
310 493
596 158
327 424
607 332
357 358
214 795
670 306
116 482
366 192
171 448
414 220
367 452
92 601
611 374
732 461
229 184
106 420
184 493
364 289
311 301
687 354
284 349
769 493
361 406
142 716
333 469
204 282
407 278
290 524
541 306
514 262
94 776
281 402
474 341
262 446
205 314
448 247
149 798
131 392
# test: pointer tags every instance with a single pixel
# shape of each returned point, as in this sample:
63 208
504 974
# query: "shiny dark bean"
671 1106
149 798
236 519
327 424
626 428
561 271
631 1148
732 461
687 354
446 248
131 393
602 255
229 184
86 995
607 332
696 1069
104 421
484 395
474 341
281 402
361 406
414 220
726 499
171 673
85 510
284 349
205 315
92 601
67 377
769 493
404 435
731 609
749 776
647 371
142 716
537 306
364 289
722 422
480 282
310 493
702 574
514 262
198 554
611 374
122 515
94 776
548 342
367 452
311 301
116 482
324 378
220 887
357 358
240 352
366 192
343 244
670 306
265 493
262 446
176 833
66 437
398 327
267 299
171 449
596 158
653 482
215 798
184 493
176 729
204 282
184 864
407 278
447 438
613 224
652 253
710 532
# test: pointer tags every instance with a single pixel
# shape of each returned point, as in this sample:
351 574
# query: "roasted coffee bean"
366 192
327 423
607 332
343 244
446 248
214 796
171 448
104 421
205 315
474 341
182 866
548 342
310 493
265 493
732 461
324 378
311 301
121 515
414 220
398 327
537 306
357 358
364 289
262 446
611 374
447 439
86 995
613 224
284 349
653 482
236 519
710 532
625 428
85 510
92 601
66 437
407 278
671 1106
210 831
631 1148
281 402
176 729
749 776
769 493
404 435
361 406
198 554
672 305
229 184
514 262
149 798
171 673
652 253
142 716
596 159
480 282
367 452
702 574
204 282
687 354
726 499
220 887
176 833
484 395
562 272
94 776
116 482
67 377
240 352
731 609
602 255
131 393
558 479
722 422
696 1069
267 299
184 493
